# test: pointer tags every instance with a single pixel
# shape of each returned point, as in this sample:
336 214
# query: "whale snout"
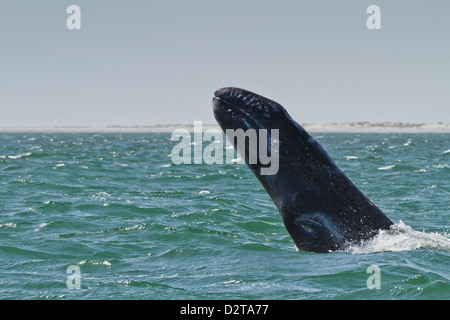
257 106
235 95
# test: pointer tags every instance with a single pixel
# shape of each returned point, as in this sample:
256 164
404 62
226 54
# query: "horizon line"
357 126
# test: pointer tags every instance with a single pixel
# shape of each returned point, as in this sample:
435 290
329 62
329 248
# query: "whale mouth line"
223 105
222 98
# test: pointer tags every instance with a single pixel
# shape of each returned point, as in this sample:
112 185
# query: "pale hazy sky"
149 62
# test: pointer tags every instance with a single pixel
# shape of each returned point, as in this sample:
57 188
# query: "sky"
159 62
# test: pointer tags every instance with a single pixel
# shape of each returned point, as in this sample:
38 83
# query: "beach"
350 127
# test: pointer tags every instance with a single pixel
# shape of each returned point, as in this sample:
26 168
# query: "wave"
401 238
27 154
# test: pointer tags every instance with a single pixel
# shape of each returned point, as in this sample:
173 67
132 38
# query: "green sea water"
137 226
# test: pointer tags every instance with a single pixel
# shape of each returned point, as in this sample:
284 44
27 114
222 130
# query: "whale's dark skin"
321 208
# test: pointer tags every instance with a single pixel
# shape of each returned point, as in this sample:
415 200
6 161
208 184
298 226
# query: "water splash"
402 238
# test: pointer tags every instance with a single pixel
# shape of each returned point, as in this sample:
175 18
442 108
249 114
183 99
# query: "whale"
321 208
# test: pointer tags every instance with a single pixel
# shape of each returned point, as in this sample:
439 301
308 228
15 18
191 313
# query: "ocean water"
133 225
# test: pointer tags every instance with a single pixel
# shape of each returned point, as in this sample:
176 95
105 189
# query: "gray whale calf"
321 208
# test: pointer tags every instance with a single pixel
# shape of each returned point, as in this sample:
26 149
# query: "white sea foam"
8 225
402 238
20 155
387 167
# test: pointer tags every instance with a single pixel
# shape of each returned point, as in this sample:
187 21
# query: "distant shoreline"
350 127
